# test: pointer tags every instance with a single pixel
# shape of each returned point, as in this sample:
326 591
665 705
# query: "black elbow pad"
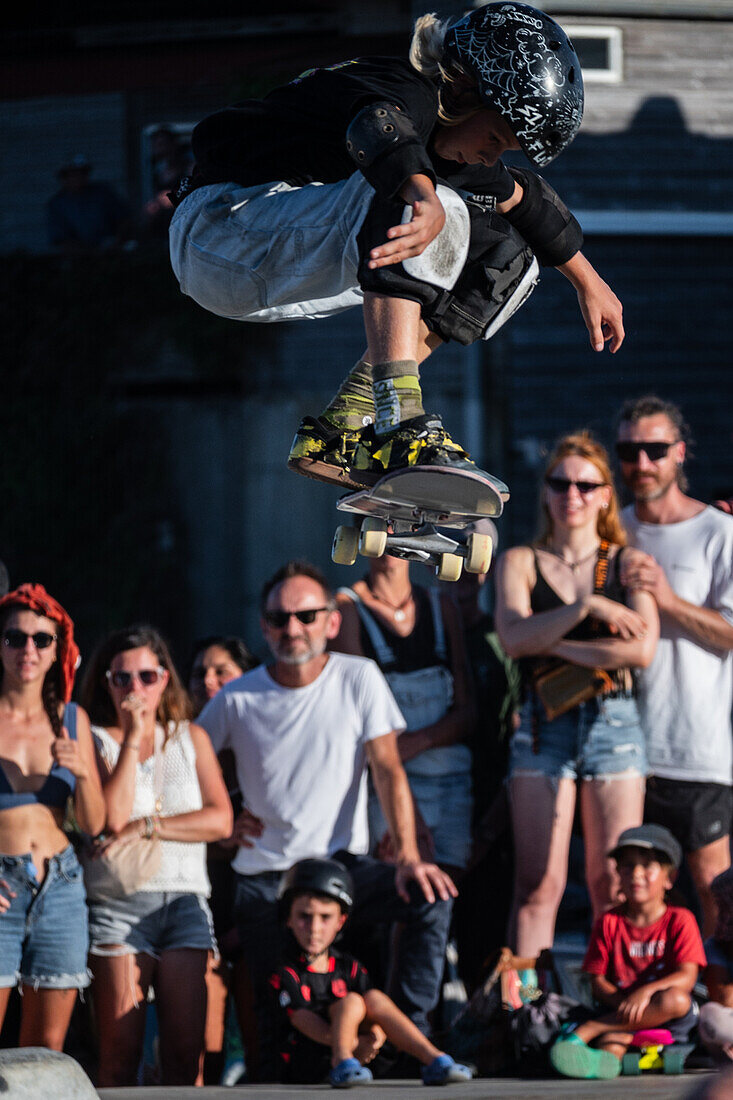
375 131
544 220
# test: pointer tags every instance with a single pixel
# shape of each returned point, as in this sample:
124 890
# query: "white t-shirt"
685 695
300 757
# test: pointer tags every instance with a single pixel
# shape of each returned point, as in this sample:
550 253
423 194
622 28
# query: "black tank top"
544 598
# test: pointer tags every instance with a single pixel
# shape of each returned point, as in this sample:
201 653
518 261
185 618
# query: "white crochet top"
182 865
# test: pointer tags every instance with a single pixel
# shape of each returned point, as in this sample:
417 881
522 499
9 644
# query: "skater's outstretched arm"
601 309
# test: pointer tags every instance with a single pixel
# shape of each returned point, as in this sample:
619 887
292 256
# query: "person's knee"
352 1004
542 893
673 1003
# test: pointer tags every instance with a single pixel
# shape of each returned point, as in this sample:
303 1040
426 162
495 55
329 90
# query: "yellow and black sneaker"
420 441
326 453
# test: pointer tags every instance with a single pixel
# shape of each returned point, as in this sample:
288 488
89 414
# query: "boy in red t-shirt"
643 958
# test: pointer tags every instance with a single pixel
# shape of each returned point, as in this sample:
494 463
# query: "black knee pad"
497 277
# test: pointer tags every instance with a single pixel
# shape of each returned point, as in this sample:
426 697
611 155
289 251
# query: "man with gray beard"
303 731
685 694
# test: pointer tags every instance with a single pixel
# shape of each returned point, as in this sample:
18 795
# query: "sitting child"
335 1017
643 956
716 1017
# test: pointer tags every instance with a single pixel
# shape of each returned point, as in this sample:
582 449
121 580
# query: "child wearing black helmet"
378 182
335 1017
643 958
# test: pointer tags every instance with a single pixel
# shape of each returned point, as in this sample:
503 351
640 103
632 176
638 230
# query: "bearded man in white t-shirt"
303 731
685 694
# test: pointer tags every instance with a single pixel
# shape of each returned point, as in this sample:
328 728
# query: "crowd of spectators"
399 730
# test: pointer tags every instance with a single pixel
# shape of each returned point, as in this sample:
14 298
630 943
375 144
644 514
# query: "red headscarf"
36 598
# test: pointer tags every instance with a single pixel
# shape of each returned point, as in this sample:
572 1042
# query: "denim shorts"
273 252
43 935
597 739
150 922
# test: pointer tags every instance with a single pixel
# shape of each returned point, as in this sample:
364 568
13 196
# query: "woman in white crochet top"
162 782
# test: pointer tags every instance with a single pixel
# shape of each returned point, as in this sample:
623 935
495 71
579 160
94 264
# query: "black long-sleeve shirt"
297 133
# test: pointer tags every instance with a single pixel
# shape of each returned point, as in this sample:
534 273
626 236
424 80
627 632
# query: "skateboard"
655 1050
403 511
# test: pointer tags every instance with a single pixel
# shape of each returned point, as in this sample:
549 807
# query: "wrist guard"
544 220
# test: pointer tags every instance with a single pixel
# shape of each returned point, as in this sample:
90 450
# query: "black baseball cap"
655 837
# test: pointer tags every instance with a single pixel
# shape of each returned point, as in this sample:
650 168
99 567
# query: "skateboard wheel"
345 545
673 1061
478 553
630 1065
450 567
372 537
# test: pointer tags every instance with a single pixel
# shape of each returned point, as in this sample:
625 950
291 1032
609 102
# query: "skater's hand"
412 238
429 877
246 824
601 309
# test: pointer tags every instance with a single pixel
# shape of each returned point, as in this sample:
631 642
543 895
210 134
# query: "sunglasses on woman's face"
121 678
628 451
18 639
562 485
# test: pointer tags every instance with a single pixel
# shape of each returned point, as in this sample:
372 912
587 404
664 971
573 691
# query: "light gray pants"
271 252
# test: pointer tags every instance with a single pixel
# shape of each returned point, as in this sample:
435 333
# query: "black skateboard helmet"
317 876
526 69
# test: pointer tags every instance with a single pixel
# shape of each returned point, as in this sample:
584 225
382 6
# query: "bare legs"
45 1017
704 865
607 806
120 997
542 821
355 1011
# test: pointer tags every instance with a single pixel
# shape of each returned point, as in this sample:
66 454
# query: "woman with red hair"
561 609
46 759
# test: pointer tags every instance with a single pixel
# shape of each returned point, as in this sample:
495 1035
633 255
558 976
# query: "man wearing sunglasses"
685 695
303 731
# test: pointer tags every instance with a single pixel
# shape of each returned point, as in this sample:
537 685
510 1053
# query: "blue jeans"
416 971
43 935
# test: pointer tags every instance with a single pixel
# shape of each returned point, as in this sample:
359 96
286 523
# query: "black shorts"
695 813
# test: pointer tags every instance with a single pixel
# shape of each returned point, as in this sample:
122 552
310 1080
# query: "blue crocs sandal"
348 1073
573 1058
444 1071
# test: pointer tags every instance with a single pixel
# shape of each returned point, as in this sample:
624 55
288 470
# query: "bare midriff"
34 829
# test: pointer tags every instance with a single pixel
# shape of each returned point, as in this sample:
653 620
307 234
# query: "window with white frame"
600 50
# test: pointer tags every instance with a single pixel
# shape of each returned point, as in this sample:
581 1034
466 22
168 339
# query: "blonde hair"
584 445
458 95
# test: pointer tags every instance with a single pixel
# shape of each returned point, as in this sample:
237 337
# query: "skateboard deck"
403 510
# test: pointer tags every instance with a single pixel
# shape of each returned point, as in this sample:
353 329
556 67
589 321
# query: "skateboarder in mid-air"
379 181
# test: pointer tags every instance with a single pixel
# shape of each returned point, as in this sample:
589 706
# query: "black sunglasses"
562 485
629 452
17 639
279 619
121 678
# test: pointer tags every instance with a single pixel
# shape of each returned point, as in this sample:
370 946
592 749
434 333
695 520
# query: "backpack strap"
69 719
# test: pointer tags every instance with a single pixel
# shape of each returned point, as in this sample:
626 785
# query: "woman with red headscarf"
46 758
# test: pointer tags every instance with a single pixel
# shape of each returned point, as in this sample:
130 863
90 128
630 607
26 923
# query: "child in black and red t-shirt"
643 958
335 1017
